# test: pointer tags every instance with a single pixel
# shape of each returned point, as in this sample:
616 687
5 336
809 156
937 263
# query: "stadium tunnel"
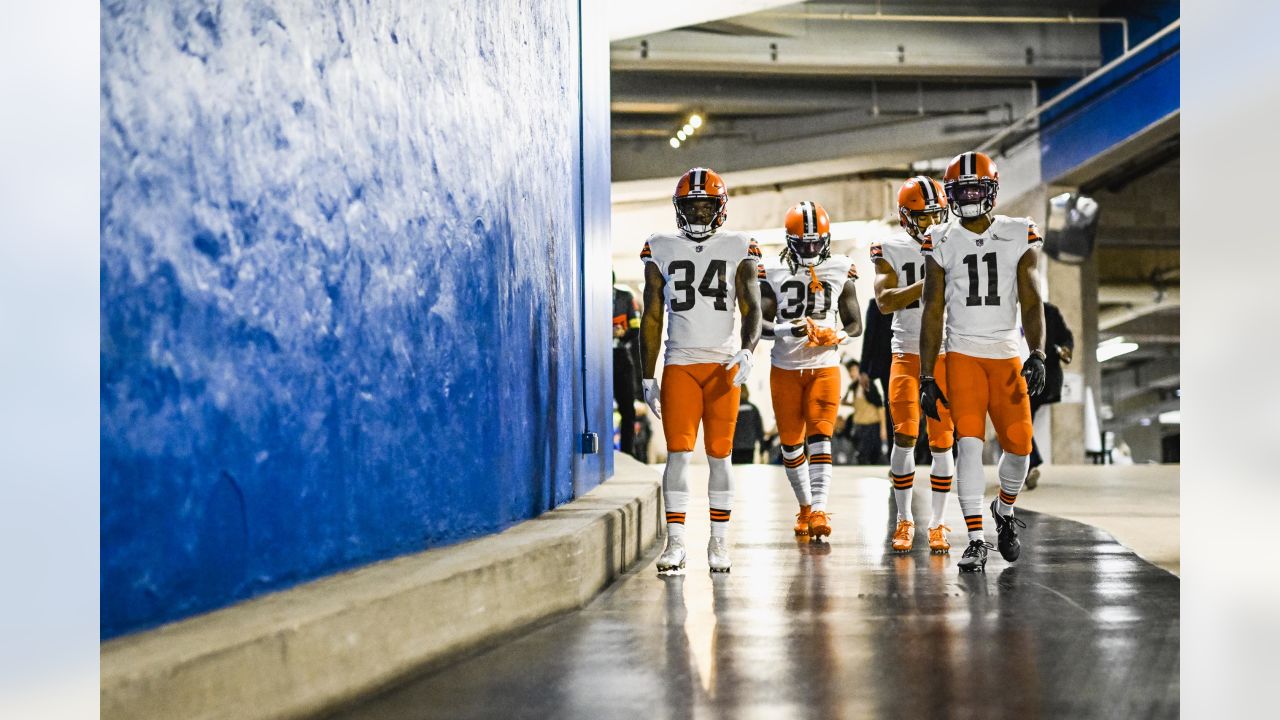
357 409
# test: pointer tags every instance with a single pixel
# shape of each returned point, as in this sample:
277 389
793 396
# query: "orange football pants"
904 400
805 402
982 386
702 392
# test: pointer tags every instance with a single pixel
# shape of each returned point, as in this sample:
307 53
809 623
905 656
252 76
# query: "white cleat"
671 561
718 555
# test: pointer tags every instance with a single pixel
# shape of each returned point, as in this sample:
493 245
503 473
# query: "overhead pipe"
982 19
1081 83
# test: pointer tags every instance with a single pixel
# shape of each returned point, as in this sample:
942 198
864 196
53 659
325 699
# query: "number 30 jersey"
982 282
700 293
902 253
796 300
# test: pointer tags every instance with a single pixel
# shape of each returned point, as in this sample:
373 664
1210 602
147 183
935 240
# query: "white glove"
843 338
652 395
743 361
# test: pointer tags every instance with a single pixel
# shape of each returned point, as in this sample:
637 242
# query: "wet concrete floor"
1079 627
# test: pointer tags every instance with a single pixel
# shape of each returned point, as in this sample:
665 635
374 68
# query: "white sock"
941 475
1013 472
902 466
720 495
793 461
675 491
819 470
970 482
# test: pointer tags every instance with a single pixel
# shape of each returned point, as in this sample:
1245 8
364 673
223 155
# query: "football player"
982 268
697 277
899 285
810 307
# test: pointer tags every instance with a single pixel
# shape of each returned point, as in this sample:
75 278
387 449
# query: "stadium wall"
343 315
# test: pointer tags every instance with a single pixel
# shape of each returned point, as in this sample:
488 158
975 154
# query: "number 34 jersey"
700 293
982 282
903 255
796 300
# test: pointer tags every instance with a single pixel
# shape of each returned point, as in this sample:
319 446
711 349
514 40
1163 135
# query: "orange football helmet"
919 198
808 233
700 199
972 181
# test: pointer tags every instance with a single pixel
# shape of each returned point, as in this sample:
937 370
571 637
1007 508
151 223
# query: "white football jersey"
982 282
700 295
902 253
796 299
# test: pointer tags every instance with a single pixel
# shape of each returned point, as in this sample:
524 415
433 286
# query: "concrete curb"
300 651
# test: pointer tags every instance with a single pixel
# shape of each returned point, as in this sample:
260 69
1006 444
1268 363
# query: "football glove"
930 396
743 361
1033 371
652 393
821 336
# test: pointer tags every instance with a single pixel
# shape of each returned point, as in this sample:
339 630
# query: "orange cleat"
819 526
802 520
938 539
904 536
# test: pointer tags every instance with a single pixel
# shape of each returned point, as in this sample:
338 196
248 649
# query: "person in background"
626 362
1059 342
868 419
877 356
749 432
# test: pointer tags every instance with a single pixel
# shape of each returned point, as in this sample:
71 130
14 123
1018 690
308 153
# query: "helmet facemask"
912 219
699 217
972 198
809 250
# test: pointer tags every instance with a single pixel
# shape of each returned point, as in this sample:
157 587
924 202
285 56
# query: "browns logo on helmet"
971 181
922 203
700 199
808 231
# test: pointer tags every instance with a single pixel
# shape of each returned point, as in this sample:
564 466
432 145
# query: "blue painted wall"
1123 101
342 301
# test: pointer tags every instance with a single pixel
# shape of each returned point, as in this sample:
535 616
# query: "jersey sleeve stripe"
877 251
753 249
853 271
760 271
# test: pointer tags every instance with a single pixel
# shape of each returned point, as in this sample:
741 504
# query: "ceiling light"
675 143
688 129
680 134
1114 348
695 120
1171 417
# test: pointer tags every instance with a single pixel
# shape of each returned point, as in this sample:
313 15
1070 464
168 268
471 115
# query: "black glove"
1033 371
930 394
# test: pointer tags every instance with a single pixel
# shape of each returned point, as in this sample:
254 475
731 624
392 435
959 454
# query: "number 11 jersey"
797 300
700 293
982 282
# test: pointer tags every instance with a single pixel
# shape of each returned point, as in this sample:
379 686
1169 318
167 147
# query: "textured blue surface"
1121 102
341 251
1111 117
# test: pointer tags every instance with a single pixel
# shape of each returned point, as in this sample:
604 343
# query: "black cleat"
974 558
1006 535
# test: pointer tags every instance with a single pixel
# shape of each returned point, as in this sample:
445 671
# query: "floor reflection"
846 629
